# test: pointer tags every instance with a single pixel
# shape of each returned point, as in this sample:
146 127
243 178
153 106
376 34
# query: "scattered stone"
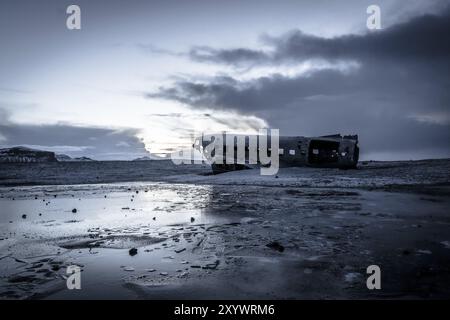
24 216
128 269
74 210
192 219
351 277
274 245
180 250
406 252
212 266
150 270
163 273
154 218
133 251
446 244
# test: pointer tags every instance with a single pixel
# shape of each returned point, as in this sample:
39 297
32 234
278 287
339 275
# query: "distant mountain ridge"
66 158
25 154
149 158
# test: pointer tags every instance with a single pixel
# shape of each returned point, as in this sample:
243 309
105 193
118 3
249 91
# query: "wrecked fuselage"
332 151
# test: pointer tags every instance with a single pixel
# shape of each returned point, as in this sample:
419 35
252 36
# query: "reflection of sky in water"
122 208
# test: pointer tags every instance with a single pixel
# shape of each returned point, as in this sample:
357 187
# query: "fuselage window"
280 151
292 152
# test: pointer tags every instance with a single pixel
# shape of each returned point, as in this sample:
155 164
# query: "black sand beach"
303 234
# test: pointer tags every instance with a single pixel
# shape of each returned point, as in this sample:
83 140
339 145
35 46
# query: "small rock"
212 266
24 216
74 210
128 269
192 219
446 244
133 251
351 277
275 246
163 273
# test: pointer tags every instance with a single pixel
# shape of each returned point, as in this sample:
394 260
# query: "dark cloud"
98 143
237 56
397 99
424 37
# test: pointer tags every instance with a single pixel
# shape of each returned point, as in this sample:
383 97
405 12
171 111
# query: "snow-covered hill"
23 154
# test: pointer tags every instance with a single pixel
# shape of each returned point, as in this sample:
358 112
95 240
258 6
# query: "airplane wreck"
330 151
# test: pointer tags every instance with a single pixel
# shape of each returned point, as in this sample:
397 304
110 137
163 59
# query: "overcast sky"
140 76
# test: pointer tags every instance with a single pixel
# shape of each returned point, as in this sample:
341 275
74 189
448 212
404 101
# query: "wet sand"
305 234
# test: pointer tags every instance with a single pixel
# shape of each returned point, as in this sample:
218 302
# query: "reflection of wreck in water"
331 151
